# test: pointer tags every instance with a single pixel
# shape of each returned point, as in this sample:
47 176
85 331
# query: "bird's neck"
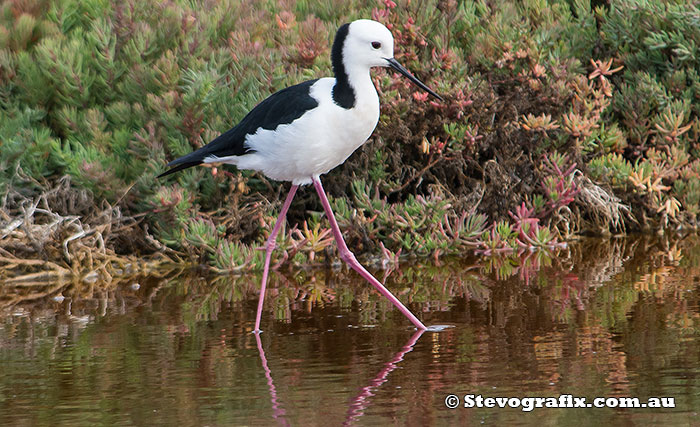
353 86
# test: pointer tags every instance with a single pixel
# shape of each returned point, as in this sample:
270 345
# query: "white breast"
315 143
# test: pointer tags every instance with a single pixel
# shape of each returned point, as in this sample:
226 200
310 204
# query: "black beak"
398 67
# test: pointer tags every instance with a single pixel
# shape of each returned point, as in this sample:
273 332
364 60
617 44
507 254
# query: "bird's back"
294 134
313 144
282 107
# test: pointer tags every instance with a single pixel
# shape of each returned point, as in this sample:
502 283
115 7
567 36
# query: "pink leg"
349 257
269 247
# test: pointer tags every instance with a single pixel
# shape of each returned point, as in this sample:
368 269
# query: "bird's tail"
227 144
179 167
187 161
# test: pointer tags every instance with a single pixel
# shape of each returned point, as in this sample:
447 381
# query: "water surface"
601 319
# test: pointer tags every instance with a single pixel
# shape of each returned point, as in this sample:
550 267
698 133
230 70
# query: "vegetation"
559 118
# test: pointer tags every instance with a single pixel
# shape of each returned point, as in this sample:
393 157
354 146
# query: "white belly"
315 143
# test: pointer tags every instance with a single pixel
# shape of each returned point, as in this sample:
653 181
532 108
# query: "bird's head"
367 43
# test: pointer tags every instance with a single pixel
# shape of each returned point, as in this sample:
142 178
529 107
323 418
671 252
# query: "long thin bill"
398 67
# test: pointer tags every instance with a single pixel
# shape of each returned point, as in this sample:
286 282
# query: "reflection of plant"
589 298
523 263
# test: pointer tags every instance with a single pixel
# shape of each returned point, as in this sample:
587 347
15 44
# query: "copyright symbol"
451 401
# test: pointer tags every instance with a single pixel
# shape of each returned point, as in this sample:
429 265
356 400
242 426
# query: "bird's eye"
376 45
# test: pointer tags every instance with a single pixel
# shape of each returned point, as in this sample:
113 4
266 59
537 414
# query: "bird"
303 131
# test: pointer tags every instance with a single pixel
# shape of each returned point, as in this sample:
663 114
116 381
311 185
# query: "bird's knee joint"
347 256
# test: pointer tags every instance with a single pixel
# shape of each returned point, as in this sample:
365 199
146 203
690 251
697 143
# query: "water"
602 319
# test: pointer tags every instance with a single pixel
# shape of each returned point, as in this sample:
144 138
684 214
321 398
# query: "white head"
368 43
363 44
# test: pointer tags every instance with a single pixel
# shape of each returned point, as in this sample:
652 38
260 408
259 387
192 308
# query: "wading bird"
305 130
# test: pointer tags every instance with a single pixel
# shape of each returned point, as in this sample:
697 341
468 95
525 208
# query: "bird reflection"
359 403
278 412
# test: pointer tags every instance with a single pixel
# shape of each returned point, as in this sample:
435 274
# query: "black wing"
282 107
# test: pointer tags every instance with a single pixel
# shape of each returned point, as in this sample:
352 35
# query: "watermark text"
528 404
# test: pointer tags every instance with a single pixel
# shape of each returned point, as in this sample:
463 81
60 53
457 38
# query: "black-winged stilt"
305 130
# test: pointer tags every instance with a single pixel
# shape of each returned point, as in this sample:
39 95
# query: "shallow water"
602 319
